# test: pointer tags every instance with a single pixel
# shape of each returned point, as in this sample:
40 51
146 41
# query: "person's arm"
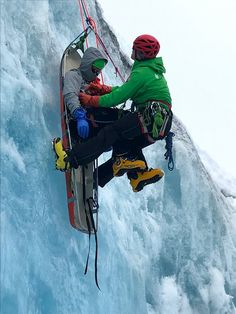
120 94
117 96
98 89
71 89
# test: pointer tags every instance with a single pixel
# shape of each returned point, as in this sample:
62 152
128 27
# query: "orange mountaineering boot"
122 165
142 178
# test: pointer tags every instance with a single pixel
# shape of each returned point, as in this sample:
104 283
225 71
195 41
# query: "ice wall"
168 249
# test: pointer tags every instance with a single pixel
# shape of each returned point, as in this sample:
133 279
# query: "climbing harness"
157 117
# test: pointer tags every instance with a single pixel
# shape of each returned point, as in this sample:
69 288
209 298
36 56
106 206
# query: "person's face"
95 70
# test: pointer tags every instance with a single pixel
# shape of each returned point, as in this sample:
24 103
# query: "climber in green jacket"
149 120
146 82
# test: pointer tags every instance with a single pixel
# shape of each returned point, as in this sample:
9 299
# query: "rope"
117 72
92 24
96 242
82 19
84 33
168 147
90 230
87 220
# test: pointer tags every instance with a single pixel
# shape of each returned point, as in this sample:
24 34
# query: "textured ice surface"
168 249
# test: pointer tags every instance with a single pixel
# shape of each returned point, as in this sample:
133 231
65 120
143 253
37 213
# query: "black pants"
122 135
133 147
98 119
109 128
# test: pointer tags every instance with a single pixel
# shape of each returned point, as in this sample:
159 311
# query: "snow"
173 300
168 249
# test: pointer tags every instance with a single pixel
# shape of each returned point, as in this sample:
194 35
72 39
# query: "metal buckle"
155 107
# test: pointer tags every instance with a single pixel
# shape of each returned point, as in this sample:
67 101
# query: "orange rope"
92 24
82 19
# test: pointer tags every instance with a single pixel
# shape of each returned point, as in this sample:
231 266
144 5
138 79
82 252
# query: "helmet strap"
139 55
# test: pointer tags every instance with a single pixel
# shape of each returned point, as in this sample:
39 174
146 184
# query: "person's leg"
139 179
129 151
99 118
105 172
128 127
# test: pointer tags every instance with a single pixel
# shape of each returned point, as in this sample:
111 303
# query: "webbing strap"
89 229
87 220
96 242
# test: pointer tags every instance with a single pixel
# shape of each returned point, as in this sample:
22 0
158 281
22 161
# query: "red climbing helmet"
148 45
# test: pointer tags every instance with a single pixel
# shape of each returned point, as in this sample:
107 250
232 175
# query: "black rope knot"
168 154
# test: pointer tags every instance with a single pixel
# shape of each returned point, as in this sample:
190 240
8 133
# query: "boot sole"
54 142
142 184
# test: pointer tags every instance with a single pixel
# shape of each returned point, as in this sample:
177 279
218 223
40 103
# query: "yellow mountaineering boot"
123 165
61 164
140 179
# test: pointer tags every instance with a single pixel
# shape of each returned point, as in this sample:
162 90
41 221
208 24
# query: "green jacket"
146 82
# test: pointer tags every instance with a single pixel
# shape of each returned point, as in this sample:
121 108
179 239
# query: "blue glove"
82 124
